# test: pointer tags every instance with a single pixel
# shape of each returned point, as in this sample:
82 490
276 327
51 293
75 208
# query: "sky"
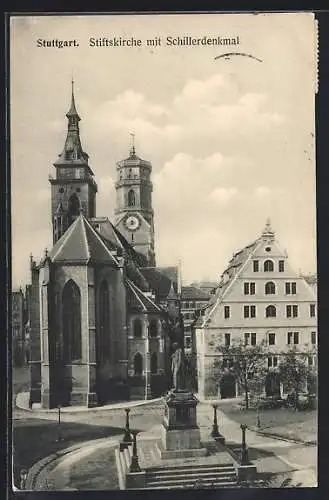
231 140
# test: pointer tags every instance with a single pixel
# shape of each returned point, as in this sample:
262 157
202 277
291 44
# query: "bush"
270 403
305 401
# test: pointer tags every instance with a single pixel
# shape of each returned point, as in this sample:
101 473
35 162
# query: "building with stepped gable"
101 315
260 298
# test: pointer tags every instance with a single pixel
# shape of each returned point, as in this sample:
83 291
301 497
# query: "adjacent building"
18 327
193 300
260 298
101 315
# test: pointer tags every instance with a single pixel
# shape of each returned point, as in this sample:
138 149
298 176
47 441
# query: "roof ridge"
65 237
130 283
257 243
145 296
85 237
100 240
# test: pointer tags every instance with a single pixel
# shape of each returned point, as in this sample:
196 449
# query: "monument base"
180 434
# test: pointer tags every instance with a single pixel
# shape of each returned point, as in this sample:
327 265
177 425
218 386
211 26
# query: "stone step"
190 475
191 485
192 480
191 472
186 468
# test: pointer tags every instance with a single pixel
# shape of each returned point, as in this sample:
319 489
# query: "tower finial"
268 232
132 149
73 110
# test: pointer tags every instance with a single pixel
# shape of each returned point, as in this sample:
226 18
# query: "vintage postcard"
164 277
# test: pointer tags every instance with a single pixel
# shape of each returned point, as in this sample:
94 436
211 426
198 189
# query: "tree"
246 363
294 371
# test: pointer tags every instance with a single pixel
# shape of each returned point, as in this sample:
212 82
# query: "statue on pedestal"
177 368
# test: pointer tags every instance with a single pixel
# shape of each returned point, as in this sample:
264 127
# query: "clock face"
132 222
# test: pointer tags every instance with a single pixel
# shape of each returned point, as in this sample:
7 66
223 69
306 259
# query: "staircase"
192 476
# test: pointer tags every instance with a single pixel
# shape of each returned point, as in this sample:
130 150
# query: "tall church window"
271 312
153 328
138 364
131 198
104 320
71 307
269 288
268 266
154 363
74 205
137 328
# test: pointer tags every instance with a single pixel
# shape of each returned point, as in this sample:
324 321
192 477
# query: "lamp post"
215 431
134 466
59 435
127 436
244 449
258 415
147 357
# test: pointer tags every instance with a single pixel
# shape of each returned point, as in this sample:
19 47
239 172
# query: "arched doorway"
272 384
227 386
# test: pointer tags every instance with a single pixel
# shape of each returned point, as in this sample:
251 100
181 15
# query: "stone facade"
260 299
98 331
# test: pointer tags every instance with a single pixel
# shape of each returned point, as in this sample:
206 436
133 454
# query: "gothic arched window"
268 266
154 363
71 303
138 364
131 198
271 312
74 205
137 328
153 328
269 288
104 320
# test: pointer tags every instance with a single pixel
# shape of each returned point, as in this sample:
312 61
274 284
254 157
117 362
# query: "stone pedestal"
180 432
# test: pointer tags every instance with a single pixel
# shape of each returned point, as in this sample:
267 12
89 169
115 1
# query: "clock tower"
134 216
73 189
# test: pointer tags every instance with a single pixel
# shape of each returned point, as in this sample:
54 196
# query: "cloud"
222 195
222 154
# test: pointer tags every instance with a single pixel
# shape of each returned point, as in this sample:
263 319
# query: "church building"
260 299
101 314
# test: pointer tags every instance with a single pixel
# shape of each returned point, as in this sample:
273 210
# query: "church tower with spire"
134 216
74 189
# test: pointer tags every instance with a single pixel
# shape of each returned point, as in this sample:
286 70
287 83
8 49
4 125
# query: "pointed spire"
73 110
72 148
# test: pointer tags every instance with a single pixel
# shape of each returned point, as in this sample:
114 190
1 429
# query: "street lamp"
215 432
147 356
59 435
134 466
244 449
127 436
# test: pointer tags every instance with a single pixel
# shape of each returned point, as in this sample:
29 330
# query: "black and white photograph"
164 271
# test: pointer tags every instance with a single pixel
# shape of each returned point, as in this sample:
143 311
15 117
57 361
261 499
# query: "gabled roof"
161 279
140 300
81 244
193 293
234 265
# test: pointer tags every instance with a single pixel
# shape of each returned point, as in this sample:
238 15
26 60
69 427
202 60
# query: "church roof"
193 293
81 244
140 300
161 279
